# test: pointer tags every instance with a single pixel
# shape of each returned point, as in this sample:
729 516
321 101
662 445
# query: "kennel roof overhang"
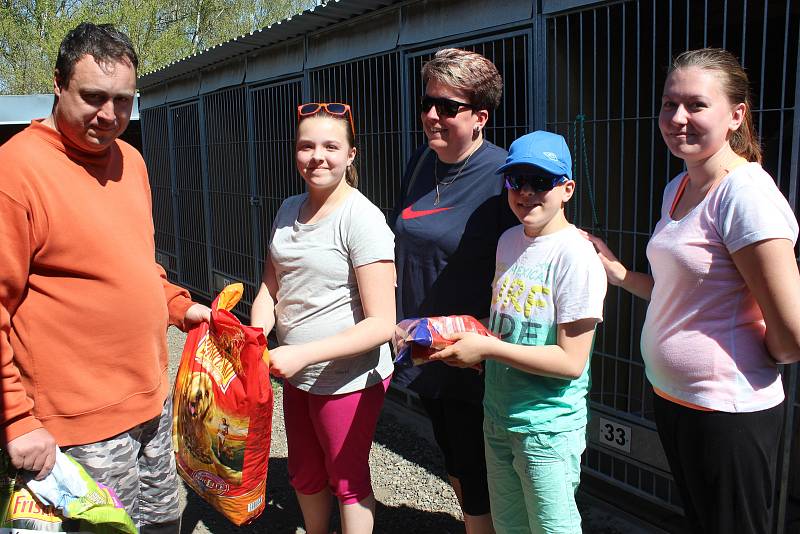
309 21
326 34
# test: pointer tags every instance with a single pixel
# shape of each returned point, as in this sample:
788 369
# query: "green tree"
161 31
30 31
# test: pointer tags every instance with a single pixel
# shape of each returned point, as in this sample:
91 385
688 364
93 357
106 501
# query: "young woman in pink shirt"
723 300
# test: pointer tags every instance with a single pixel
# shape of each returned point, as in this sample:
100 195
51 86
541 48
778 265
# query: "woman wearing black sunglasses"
451 211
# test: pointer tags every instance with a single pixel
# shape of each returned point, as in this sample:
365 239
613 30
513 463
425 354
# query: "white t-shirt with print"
541 282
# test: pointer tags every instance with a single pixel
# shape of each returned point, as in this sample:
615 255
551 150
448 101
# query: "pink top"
703 337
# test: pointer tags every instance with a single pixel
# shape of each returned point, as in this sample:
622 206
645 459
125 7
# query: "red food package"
222 412
416 339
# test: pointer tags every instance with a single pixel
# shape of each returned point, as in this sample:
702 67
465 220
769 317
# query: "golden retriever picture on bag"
210 438
198 404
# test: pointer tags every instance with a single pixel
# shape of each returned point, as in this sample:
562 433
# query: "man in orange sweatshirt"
83 305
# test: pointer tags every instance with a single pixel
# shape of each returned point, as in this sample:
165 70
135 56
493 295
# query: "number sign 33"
616 435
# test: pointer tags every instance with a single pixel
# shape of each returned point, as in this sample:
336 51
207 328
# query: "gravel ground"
413 496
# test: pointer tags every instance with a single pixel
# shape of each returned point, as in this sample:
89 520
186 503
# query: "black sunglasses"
444 106
536 182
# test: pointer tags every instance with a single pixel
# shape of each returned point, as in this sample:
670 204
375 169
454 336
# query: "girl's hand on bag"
469 349
615 271
287 360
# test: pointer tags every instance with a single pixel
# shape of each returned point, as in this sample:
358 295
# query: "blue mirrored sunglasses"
538 183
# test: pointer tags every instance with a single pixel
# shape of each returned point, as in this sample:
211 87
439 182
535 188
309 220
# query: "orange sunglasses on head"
334 108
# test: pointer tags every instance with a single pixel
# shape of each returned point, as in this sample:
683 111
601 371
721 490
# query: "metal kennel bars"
218 139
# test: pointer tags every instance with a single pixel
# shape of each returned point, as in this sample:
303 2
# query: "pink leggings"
329 437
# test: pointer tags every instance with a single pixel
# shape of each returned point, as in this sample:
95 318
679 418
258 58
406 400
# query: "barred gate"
155 133
190 185
274 177
229 190
372 87
222 162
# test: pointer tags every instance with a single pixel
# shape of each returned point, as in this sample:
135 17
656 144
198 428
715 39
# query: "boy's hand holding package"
469 349
416 340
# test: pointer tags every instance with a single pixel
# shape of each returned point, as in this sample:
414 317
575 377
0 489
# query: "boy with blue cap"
547 298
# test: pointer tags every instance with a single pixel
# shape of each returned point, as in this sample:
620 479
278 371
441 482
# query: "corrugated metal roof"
22 109
311 20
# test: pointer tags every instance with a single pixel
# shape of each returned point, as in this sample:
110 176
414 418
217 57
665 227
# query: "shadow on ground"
282 515
423 451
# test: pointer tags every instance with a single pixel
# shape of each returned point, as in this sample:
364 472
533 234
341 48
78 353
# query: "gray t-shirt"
317 288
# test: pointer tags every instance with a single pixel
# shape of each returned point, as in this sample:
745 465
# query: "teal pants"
533 478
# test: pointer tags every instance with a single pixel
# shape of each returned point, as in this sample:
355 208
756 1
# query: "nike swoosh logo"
409 212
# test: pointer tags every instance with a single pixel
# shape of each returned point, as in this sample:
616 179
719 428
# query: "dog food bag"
222 412
66 500
416 339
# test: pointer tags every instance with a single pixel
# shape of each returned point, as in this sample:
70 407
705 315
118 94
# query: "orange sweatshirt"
83 305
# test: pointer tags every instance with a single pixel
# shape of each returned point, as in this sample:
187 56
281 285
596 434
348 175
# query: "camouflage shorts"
140 466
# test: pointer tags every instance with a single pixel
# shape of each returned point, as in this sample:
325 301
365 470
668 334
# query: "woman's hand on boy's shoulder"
468 350
615 270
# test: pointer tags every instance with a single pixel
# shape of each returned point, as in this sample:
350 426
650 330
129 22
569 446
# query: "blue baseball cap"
545 150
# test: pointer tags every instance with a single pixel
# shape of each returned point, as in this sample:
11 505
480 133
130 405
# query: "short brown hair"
469 72
103 42
736 86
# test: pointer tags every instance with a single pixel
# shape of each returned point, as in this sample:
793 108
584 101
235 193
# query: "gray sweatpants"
140 467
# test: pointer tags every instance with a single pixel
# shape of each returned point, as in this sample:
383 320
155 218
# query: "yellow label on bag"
215 363
24 506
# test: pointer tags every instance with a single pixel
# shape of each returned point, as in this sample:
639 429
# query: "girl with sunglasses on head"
547 299
328 288
723 299
450 212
